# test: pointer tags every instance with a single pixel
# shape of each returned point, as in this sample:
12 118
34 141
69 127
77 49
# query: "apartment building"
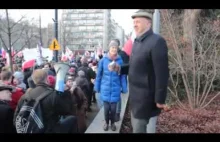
85 28
117 32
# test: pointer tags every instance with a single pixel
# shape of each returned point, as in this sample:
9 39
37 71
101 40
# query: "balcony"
99 30
90 24
99 24
98 36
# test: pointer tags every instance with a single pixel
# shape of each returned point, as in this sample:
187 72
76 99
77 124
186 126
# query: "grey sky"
121 16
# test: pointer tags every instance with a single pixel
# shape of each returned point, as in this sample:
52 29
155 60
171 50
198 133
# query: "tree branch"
15 23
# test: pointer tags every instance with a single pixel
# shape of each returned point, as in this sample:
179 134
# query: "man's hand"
163 106
93 81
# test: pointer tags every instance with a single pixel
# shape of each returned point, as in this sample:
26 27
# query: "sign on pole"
54 45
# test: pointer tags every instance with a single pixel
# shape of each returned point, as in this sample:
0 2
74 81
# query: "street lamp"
156 21
56 33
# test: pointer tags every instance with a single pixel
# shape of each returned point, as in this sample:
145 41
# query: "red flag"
128 47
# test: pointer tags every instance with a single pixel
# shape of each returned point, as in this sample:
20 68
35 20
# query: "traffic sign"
54 45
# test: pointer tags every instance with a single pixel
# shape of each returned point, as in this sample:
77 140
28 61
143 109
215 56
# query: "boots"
113 127
105 127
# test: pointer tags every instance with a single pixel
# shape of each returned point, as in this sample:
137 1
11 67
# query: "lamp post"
56 33
156 21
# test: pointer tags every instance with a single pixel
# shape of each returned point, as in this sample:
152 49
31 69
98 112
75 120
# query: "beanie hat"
19 76
113 43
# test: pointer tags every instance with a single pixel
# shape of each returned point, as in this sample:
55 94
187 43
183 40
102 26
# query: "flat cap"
142 13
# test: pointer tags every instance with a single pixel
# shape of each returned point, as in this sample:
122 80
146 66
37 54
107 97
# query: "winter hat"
81 74
113 43
51 80
19 76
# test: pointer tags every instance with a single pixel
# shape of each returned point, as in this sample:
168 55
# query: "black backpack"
29 118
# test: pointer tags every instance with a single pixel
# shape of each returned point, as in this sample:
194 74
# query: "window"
82 28
98 34
92 10
74 29
91 15
99 21
82 15
82 21
74 15
99 15
90 22
99 27
81 10
66 28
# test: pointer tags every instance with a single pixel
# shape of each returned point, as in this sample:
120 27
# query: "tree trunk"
9 40
10 62
190 21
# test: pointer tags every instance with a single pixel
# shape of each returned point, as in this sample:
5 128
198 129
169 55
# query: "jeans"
99 100
144 125
109 112
118 108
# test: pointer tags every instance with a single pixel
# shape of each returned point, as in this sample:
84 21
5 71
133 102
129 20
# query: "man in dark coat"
148 73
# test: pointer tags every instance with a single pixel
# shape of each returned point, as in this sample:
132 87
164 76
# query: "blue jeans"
99 100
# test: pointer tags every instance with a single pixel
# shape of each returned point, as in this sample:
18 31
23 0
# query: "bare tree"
194 63
66 36
190 21
12 33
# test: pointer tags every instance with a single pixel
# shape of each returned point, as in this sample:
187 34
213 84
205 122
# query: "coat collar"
107 56
43 85
146 34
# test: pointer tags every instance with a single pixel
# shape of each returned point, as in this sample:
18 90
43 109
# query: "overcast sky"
121 16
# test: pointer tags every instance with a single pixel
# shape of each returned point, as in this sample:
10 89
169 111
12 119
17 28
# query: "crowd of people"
102 81
60 112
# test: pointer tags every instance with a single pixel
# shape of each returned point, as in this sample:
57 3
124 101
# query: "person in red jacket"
7 79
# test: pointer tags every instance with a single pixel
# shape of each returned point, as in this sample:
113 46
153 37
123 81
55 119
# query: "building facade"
117 32
85 28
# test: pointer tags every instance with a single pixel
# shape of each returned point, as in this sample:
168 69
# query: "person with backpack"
6 112
39 110
89 74
110 83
